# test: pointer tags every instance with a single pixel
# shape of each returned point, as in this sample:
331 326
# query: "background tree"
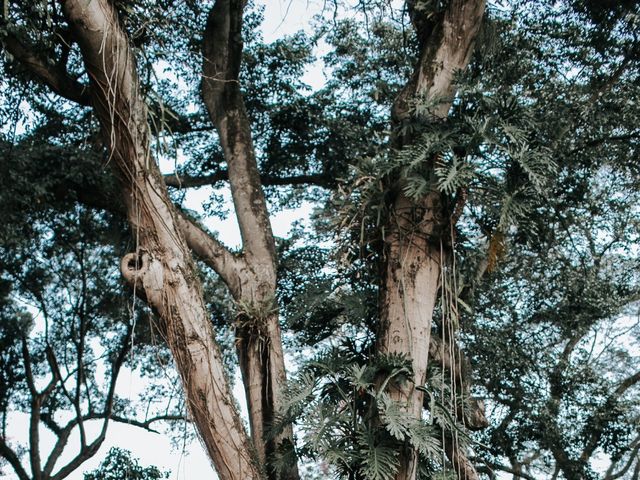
119 464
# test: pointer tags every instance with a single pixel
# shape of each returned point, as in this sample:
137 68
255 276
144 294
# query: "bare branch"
88 450
626 384
212 252
222 52
603 140
596 434
146 424
498 466
633 456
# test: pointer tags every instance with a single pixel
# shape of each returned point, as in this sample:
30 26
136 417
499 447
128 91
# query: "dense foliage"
119 464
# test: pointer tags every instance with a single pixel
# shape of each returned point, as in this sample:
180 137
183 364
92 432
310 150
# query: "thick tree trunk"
411 260
409 296
161 268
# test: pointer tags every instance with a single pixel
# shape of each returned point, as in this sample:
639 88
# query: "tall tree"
466 185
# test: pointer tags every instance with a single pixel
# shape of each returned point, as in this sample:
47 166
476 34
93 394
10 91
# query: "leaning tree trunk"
414 228
161 269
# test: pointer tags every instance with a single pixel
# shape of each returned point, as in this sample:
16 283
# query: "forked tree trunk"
411 260
258 337
161 268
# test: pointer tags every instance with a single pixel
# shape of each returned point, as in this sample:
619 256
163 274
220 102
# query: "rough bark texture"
258 337
411 263
161 267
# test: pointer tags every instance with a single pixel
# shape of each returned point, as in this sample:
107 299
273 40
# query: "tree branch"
175 180
599 141
54 76
10 456
626 384
146 424
596 434
222 53
89 450
260 355
633 456
162 264
212 252
504 468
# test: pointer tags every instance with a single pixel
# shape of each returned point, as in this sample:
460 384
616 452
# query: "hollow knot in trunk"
141 270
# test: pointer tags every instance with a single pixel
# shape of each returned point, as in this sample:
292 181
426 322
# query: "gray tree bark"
412 252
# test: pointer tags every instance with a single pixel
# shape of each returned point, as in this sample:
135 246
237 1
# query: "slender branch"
201 242
596 434
146 424
633 456
34 418
88 450
599 141
626 384
505 468
28 372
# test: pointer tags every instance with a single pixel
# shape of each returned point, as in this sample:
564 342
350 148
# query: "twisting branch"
90 449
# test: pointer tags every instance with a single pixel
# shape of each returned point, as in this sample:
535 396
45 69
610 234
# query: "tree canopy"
461 302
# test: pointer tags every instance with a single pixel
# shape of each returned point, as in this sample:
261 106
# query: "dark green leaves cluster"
345 418
119 464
